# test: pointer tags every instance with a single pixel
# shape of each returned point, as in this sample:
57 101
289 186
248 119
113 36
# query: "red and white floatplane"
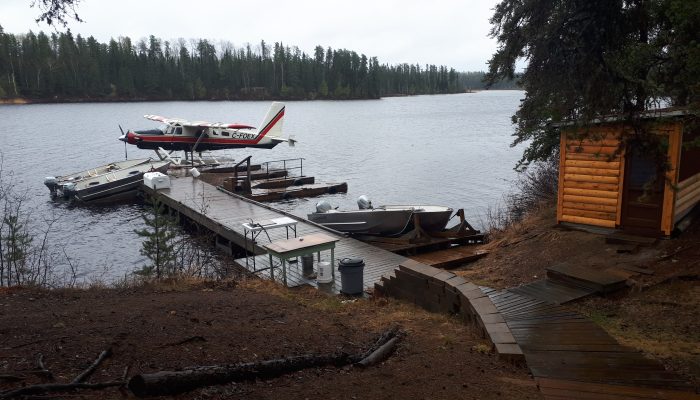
176 134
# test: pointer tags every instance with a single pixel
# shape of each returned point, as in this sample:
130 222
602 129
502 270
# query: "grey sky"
443 32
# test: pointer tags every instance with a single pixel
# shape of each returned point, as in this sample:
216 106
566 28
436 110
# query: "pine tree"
16 243
158 245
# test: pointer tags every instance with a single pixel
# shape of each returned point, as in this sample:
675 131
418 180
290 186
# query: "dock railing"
287 164
246 184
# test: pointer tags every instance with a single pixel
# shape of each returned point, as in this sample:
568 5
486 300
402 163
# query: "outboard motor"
68 190
323 206
52 183
364 203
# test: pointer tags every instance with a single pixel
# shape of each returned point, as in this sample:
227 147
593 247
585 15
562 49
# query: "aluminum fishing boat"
112 186
390 220
56 183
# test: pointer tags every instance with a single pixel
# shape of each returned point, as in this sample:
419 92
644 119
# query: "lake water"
450 150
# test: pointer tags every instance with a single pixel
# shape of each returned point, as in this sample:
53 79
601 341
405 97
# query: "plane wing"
198 124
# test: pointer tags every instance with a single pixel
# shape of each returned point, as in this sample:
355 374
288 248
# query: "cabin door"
643 195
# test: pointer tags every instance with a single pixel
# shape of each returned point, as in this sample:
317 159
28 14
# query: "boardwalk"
571 357
224 213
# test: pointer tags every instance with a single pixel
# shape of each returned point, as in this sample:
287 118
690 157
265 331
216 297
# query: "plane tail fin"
271 126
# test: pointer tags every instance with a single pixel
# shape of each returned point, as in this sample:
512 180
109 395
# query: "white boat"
390 220
112 186
55 184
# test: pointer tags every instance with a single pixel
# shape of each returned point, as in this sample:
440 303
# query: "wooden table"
296 247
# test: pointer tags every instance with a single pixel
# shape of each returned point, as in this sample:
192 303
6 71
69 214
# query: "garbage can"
351 275
307 264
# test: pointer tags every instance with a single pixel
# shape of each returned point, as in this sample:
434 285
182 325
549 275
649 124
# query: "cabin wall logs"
687 196
590 177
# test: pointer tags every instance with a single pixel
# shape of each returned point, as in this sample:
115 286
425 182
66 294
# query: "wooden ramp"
552 292
571 357
223 213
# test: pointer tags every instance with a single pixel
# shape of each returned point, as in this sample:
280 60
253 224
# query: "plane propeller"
123 139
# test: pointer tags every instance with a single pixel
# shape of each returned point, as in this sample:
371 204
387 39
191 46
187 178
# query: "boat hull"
366 222
114 187
385 220
432 218
55 183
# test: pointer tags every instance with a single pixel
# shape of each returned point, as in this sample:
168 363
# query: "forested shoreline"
60 67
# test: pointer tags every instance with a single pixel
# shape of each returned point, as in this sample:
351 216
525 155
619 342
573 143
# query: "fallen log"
174 382
56 387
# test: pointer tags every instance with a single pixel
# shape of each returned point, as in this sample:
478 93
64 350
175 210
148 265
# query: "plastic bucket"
351 275
194 172
325 272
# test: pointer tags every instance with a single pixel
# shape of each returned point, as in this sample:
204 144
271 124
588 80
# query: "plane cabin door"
643 195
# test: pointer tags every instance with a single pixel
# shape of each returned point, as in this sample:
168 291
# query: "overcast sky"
442 32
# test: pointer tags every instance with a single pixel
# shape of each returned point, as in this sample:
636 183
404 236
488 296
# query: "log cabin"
605 183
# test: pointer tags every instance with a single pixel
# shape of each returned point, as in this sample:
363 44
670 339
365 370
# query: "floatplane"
176 134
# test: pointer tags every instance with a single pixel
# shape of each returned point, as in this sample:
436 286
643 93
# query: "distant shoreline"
72 100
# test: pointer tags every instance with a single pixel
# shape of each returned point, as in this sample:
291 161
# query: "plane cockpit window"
178 130
169 130
213 132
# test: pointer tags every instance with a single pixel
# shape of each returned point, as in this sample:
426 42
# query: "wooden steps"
552 291
585 278
575 390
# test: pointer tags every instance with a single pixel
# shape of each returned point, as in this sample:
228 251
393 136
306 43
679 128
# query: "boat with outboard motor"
117 184
389 220
56 183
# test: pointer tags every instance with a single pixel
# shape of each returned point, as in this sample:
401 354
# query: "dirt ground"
148 329
658 313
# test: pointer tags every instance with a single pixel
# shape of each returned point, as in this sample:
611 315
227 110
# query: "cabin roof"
671 112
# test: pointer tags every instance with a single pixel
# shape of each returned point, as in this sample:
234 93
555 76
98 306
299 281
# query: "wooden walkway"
571 357
224 213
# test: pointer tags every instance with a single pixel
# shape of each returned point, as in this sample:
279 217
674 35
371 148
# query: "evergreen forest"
63 67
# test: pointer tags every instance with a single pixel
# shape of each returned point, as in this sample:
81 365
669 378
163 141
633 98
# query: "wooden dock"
224 213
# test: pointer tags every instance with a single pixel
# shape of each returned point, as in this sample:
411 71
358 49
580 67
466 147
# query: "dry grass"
663 322
380 311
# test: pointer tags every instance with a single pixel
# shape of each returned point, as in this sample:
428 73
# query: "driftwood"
185 341
43 372
76 383
380 354
57 387
174 382
86 374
